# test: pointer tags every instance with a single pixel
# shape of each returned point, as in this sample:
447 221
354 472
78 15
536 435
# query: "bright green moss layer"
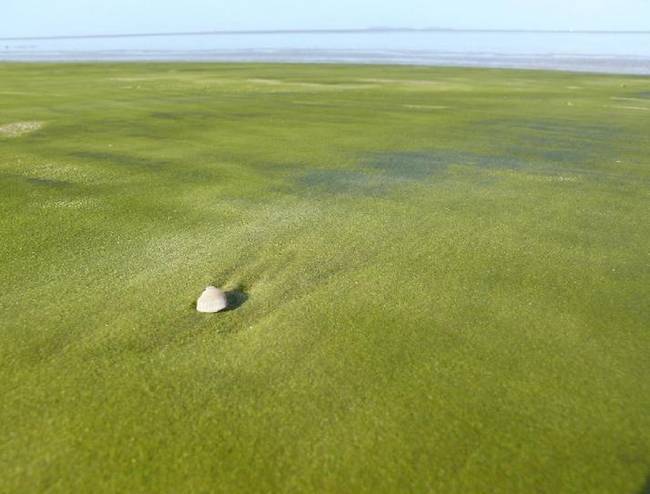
447 276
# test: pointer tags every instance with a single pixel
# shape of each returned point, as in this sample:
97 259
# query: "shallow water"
594 52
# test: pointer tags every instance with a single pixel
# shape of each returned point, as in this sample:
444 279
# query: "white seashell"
211 300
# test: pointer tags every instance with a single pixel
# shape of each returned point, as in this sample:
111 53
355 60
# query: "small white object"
211 300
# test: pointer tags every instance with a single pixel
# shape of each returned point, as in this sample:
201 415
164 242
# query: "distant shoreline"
311 31
603 64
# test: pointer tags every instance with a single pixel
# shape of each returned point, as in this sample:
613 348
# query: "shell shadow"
235 299
646 487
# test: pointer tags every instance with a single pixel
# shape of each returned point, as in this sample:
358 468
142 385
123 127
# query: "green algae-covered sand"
442 280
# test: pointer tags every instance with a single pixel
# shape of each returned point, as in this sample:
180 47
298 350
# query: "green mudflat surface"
442 279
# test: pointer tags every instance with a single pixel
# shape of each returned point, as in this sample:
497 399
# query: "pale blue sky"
54 17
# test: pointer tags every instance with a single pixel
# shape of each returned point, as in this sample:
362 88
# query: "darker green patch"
47 182
165 115
549 141
411 165
342 182
313 105
41 182
567 128
423 164
382 171
541 151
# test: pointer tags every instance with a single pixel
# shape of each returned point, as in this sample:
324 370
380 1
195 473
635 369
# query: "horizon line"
369 30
